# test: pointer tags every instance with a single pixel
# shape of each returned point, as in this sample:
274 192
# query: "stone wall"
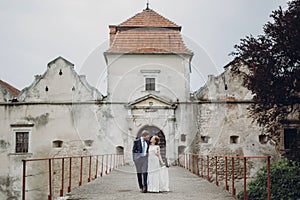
224 126
62 116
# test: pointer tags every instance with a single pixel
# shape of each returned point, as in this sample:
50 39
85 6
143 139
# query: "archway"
153 130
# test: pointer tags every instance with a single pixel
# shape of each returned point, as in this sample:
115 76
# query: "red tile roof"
147 32
14 91
148 18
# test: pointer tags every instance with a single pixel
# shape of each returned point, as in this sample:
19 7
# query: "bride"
158 178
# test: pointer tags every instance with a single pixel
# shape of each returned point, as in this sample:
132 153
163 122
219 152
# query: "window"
22 139
150 84
204 139
57 144
183 137
263 139
234 139
21 136
88 143
150 78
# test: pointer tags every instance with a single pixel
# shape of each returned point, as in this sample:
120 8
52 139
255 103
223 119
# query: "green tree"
273 60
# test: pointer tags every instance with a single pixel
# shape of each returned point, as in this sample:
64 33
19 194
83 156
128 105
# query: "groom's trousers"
141 165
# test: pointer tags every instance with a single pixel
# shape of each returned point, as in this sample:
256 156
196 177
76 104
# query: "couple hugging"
147 159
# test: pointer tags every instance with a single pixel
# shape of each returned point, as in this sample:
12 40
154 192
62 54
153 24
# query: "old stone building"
54 116
61 114
225 126
148 81
149 70
223 120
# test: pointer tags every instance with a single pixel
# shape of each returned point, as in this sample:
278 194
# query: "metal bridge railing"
53 177
217 167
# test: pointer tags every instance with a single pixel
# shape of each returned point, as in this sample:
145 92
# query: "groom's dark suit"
141 162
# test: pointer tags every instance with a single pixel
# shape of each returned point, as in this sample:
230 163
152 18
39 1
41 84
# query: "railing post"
80 175
208 178
115 163
232 175
269 176
193 164
111 163
185 161
62 176
217 182
226 174
245 179
24 180
101 173
202 166
188 162
50 180
118 159
96 167
106 171
70 175
123 160
90 169
197 161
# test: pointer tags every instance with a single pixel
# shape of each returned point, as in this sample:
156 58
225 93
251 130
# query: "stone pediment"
151 101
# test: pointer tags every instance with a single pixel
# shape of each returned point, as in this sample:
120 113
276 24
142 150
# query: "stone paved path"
122 184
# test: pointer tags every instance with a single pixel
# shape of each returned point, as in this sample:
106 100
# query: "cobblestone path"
122 184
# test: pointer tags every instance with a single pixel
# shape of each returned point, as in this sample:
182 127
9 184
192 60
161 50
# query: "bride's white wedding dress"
158 177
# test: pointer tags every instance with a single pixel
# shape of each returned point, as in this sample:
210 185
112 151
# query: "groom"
140 158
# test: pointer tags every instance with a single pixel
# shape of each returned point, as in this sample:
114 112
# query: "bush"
285 182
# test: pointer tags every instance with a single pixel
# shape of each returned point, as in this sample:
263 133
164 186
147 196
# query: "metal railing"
217 167
54 177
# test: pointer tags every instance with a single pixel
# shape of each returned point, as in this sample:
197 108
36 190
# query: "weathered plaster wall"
126 84
67 111
224 126
71 124
60 82
126 74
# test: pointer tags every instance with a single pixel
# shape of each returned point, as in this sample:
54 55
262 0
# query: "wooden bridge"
109 177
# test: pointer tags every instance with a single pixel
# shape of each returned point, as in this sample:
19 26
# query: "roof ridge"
140 20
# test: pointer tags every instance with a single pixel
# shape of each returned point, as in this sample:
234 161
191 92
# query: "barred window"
150 84
22 139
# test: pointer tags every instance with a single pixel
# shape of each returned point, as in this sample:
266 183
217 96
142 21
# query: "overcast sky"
34 32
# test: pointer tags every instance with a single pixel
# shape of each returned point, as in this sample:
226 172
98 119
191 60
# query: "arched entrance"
153 130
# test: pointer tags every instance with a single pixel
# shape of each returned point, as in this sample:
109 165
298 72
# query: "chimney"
112 33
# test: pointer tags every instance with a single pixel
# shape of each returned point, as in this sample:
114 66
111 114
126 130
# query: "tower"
148 68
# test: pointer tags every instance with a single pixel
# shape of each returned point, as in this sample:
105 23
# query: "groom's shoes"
144 190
